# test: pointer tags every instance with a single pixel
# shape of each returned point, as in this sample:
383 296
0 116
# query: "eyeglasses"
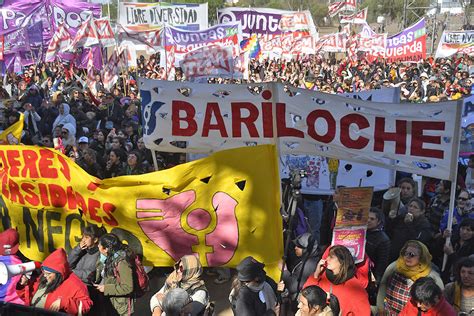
463 198
410 254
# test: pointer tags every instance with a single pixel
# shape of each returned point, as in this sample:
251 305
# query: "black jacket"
377 247
420 229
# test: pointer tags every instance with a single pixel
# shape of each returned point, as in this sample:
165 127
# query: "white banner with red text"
203 118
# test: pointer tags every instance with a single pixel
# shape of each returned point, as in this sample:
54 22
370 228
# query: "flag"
104 32
339 6
252 46
111 70
86 36
222 208
90 72
356 18
12 135
170 61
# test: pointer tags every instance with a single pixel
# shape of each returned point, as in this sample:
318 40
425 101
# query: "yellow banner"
12 135
222 208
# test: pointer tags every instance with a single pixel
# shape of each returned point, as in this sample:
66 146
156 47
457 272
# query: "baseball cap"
83 139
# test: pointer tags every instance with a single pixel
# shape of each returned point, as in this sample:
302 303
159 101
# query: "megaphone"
8 271
391 200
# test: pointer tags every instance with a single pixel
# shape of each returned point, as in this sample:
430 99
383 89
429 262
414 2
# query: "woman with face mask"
414 262
115 276
337 274
251 294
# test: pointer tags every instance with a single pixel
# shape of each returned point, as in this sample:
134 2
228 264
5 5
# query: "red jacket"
71 291
443 308
352 296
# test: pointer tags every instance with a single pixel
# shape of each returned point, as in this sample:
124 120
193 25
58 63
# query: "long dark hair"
113 245
316 296
346 260
50 287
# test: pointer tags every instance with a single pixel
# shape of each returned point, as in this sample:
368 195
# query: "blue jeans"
314 212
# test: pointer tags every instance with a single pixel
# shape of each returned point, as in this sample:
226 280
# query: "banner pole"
454 168
155 163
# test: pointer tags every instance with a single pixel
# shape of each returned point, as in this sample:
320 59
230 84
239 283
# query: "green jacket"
119 287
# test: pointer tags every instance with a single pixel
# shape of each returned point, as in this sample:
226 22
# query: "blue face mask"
102 258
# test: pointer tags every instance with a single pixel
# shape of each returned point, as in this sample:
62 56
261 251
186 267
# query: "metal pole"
433 33
405 11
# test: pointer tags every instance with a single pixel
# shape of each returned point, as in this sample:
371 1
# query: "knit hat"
9 240
249 269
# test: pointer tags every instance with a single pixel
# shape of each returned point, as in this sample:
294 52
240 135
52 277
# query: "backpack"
140 277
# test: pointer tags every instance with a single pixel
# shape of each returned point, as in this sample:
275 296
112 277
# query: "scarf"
190 281
268 293
457 297
419 271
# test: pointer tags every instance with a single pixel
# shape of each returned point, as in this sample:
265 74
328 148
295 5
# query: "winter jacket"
8 292
441 309
84 262
352 296
295 280
420 229
377 247
119 286
71 291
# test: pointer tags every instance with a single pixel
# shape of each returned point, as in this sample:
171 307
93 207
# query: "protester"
114 276
461 245
439 204
460 293
314 301
413 263
411 226
251 294
427 299
83 258
337 273
377 242
9 244
57 288
115 166
306 249
187 276
463 210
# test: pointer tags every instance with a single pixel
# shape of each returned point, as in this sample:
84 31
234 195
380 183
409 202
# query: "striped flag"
104 32
111 71
86 36
339 6
91 73
60 41
252 46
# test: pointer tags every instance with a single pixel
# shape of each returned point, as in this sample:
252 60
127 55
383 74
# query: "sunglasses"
463 199
410 254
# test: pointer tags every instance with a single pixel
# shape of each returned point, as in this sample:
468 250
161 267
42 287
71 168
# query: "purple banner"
407 35
409 45
16 14
174 36
73 12
267 21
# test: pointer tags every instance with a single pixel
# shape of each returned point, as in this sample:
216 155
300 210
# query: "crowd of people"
401 274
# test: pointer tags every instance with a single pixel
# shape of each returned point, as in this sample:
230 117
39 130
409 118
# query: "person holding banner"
57 288
413 263
337 274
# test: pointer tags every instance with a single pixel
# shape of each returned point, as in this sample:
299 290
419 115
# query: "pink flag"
86 36
170 60
104 32
90 72
111 70
356 18
60 41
